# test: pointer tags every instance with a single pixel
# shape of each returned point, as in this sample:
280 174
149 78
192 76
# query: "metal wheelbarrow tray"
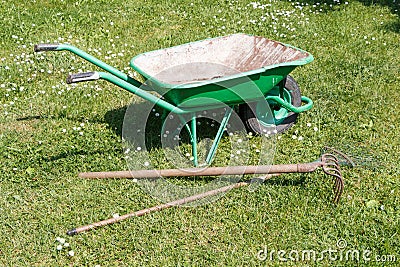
236 70
218 69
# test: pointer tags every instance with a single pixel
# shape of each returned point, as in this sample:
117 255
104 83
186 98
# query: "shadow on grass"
115 120
286 182
393 26
80 152
393 6
30 118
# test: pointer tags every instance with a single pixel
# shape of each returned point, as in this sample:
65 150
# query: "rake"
328 162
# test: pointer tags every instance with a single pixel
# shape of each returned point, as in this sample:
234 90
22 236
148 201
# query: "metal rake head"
331 167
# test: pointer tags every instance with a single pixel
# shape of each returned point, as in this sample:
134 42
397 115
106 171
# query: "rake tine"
335 173
348 160
331 167
338 190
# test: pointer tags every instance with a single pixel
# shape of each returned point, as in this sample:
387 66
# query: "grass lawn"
50 131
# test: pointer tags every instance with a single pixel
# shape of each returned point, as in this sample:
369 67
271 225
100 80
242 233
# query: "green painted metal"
218 137
194 139
143 94
98 63
307 106
277 115
281 113
235 90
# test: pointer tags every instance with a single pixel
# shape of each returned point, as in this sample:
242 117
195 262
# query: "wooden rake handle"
210 171
156 208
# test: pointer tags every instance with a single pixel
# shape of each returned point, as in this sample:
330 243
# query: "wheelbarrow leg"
193 139
218 137
192 130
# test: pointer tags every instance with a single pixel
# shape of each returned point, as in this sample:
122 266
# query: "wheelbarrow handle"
83 77
90 58
46 47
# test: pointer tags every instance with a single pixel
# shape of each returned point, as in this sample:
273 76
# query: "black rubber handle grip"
45 47
72 232
83 77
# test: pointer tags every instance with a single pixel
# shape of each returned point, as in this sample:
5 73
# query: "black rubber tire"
252 124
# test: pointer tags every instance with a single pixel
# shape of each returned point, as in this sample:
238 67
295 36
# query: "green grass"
354 82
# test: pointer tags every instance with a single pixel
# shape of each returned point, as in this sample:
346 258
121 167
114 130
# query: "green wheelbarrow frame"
208 94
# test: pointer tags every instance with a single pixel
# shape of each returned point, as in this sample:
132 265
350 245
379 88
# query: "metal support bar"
143 94
88 57
194 139
307 106
184 122
218 137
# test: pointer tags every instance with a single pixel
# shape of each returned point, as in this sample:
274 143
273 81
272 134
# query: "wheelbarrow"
249 73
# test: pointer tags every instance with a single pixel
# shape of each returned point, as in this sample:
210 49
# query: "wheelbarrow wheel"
259 120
